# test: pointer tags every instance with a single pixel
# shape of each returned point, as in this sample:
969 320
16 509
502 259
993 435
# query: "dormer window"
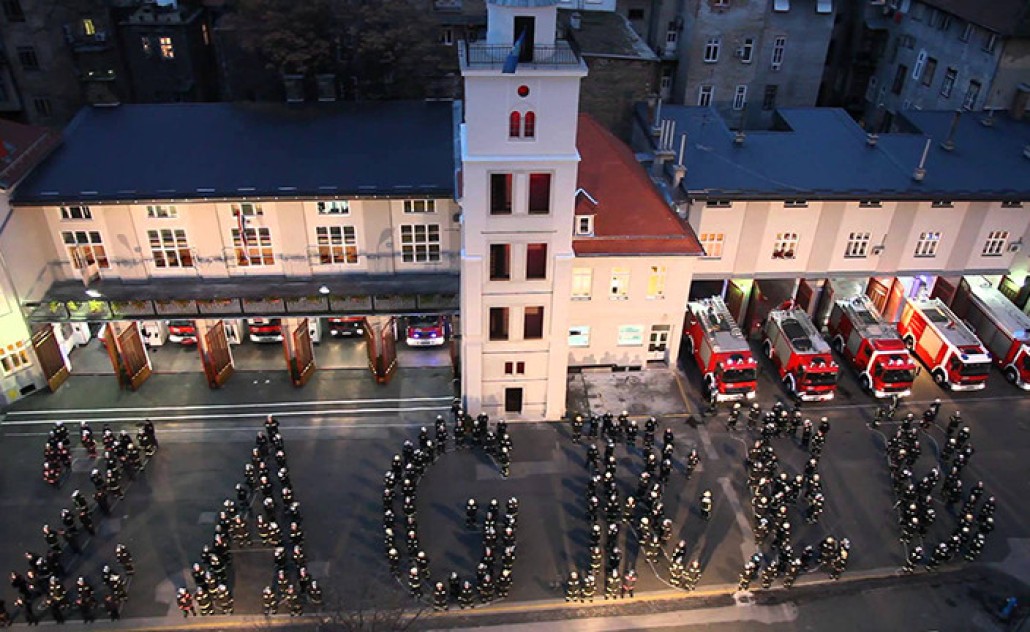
584 225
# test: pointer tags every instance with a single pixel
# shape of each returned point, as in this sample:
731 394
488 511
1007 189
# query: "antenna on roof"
920 171
949 142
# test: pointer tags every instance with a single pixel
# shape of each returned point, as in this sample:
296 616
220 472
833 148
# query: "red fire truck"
800 354
720 350
183 332
265 329
954 355
1003 328
426 331
872 346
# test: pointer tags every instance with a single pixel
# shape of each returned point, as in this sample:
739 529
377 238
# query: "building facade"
943 55
743 57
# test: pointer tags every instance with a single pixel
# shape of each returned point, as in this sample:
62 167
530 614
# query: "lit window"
420 243
337 244
335 207
253 247
656 282
170 248
995 243
162 212
76 212
712 50
579 336
167 49
582 283
419 206
88 28
857 246
927 244
785 246
620 284
713 244
85 248
630 336
145 43
15 357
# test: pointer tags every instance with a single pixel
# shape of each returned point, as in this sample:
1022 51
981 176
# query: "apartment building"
948 54
743 58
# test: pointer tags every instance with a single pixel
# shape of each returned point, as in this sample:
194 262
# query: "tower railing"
481 55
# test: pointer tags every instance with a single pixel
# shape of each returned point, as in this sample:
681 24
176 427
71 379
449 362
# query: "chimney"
656 122
920 171
575 21
680 170
872 139
949 142
663 152
1020 100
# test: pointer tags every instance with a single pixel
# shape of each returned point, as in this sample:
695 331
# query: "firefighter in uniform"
439 597
185 602
269 603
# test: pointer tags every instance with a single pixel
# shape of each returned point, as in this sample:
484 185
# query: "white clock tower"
519 163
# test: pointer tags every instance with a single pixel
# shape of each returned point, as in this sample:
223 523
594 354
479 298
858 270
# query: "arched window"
515 125
529 127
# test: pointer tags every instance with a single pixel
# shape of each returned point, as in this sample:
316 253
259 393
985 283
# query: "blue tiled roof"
822 154
222 150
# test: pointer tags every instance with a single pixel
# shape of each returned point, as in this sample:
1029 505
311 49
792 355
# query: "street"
340 439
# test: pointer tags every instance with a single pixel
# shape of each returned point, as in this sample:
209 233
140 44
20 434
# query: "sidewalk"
172 391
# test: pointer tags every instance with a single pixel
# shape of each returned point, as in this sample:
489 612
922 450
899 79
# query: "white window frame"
76 213
948 82
247 209
161 211
333 207
870 89
995 244
340 242
15 357
990 42
786 244
857 246
705 95
969 100
714 244
747 50
619 286
88 247
418 244
711 52
779 47
630 336
795 204
739 97
582 284
259 247
419 206
927 244
170 248
584 225
656 283
917 68
579 336
447 36
967 32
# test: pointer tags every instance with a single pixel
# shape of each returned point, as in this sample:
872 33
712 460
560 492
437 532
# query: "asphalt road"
340 439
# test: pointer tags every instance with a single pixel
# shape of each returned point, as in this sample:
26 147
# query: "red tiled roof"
23 147
630 217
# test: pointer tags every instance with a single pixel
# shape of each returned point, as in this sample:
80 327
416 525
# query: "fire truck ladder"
717 317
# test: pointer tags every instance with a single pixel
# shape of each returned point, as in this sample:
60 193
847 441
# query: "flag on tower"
512 61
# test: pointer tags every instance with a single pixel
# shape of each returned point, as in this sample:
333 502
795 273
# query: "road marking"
706 441
292 404
253 415
747 547
683 391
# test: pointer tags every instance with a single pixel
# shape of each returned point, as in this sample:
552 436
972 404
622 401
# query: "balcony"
483 56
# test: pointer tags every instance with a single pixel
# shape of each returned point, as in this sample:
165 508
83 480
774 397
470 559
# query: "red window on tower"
529 127
515 125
